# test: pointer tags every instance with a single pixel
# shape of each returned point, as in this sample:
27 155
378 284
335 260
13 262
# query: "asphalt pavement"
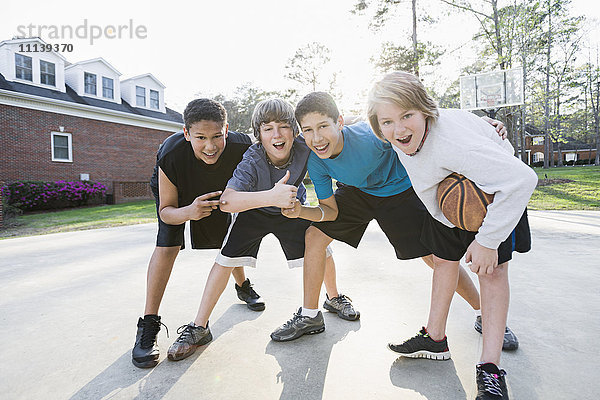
69 304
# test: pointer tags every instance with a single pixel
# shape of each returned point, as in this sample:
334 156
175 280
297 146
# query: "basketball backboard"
492 89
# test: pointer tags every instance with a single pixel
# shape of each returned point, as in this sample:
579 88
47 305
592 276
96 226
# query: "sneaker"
299 325
145 352
342 306
423 346
247 294
491 384
510 339
190 338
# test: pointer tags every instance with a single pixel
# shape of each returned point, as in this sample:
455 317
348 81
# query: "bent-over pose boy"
432 143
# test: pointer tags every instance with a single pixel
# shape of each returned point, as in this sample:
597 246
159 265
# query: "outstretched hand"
202 207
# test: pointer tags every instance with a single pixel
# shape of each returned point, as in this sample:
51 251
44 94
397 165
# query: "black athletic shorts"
400 217
247 230
207 233
452 243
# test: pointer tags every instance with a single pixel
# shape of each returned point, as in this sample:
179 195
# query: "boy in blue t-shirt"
266 181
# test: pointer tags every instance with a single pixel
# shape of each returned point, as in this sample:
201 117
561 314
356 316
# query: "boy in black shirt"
192 169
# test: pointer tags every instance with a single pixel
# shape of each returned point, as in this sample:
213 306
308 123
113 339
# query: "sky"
211 47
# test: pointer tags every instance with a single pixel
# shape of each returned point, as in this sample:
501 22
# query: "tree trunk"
414 38
497 34
523 110
558 137
547 145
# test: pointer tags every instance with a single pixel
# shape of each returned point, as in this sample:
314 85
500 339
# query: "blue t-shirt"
365 162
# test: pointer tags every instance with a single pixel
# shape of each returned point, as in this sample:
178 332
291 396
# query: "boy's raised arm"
281 195
169 209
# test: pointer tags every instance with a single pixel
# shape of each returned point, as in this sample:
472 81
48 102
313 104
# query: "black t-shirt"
193 178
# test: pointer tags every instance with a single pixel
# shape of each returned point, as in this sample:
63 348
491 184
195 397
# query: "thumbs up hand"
282 194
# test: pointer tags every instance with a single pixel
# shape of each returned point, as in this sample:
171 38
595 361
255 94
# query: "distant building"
72 121
571 151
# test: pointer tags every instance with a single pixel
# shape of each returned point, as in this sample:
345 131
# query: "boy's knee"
314 237
167 252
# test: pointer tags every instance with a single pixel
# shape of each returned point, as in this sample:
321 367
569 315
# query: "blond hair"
404 90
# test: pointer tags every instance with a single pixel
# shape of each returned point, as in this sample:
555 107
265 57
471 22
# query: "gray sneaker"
510 339
342 305
297 326
191 337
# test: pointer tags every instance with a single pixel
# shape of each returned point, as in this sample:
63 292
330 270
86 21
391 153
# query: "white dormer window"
107 88
140 96
23 67
154 103
47 73
90 83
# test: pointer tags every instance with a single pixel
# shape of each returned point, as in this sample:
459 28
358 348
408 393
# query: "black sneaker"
423 346
510 339
145 352
299 325
491 384
247 294
190 338
342 305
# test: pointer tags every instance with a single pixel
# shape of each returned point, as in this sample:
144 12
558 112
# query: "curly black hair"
204 109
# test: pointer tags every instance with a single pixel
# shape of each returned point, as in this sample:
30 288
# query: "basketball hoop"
492 90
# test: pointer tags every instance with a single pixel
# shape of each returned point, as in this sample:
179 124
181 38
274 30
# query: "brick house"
572 151
72 121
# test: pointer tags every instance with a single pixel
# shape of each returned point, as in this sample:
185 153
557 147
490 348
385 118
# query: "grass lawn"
75 219
583 193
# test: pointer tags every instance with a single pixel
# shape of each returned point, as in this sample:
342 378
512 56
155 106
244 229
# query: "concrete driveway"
69 303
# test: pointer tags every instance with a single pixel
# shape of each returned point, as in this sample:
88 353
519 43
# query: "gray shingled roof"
73 97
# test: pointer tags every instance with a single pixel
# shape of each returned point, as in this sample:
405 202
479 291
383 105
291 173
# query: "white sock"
308 312
478 313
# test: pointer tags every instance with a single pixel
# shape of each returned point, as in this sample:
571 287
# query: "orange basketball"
462 202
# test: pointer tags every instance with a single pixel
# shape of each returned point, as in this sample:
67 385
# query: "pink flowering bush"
33 195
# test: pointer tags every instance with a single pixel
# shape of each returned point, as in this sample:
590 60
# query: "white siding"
148 83
75 79
7 65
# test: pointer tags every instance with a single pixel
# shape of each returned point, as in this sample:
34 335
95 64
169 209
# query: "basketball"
462 202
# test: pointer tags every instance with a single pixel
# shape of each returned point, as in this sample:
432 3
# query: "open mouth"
210 155
405 140
279 145
322 148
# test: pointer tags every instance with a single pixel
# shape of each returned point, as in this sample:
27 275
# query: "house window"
47 73
90 83
154 99
571 157
107 88
140 96
538 140
23 67
61 147
537 157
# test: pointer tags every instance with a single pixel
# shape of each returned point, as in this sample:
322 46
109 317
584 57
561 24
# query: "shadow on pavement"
156 382
434 380
304 361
